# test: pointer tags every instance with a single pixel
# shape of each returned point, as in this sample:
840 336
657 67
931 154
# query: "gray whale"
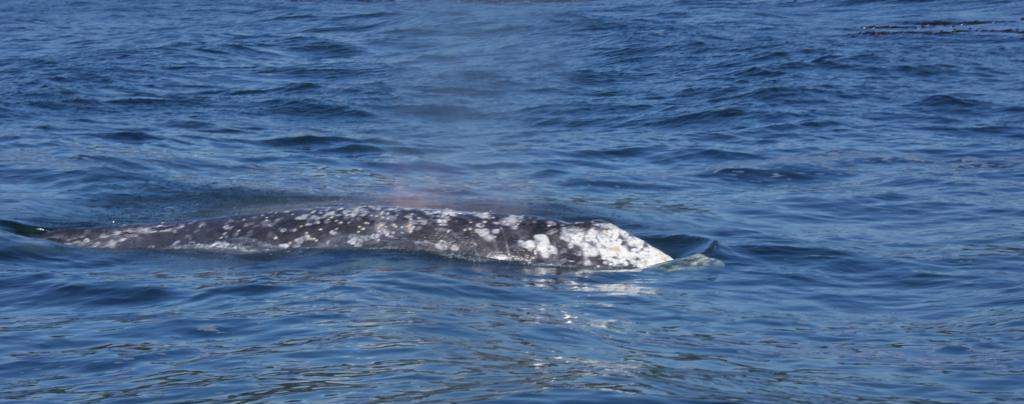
470 235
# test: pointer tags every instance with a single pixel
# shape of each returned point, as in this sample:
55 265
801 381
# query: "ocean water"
858 166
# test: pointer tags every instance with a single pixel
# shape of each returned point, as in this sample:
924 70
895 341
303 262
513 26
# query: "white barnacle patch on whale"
511 221
485 234
543 246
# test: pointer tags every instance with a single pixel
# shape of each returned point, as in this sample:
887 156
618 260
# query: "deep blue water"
857 165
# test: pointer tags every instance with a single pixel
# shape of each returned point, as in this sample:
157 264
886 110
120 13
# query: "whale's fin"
22 229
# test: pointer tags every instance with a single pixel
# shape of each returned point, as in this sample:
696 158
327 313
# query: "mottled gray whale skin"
470 235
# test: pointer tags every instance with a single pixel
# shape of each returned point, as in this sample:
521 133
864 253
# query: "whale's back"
471 235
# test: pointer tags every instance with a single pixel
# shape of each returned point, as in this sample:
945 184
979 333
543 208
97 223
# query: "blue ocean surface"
857 165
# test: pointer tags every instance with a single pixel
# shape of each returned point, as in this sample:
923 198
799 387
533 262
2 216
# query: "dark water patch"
711 116
306 140
924 70
438 112
241 49
212 329
189 124
238 291
314 109
95 295
415 151
792 95
684 156
317 73
790 254
760 72
820 123
465 90
223 131
548 173
593 78
65 104
501 165
322 47
85 180
20 281
287 88
335 27
111 161
130 136
770 55
617 152
138 101
924 280
354 149
948 101
289 17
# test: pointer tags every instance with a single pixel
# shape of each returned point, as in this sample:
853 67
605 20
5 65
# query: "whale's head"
602 244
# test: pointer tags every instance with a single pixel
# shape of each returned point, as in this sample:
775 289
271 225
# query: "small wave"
705 154
820 257
305 140
352 23
188 124
348 28
691 262
945 100
701 117
101 295
288 88
681 245
112 161
238 290
324 48
924 70
760 72
73 102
